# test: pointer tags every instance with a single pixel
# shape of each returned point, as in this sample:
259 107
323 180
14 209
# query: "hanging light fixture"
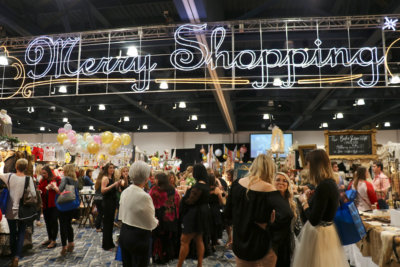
63 89
277 82
102 107
339 115
65 120
144 127
202 126
42 128
163 85
132 51
3 60
126 118
91 128
360 102
182 105
387 124
395 79
194 118
325 125
266 117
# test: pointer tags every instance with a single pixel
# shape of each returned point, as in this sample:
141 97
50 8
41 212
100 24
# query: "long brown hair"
163 182
361 171
126 180
320 166
104 172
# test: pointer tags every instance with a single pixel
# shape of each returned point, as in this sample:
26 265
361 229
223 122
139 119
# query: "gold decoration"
331 80
93 148
372 132
225 156
203 80
117 142
204 158
303 155
277 140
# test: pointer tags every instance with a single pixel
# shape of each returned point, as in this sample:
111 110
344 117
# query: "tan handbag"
29 198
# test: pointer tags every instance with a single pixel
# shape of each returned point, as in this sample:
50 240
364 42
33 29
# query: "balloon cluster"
109 142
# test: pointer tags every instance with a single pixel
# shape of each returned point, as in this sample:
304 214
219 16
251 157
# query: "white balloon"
89 139
67 143
67 127
116 134
73 153
218 152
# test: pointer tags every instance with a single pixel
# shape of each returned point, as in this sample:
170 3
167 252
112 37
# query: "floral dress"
165 236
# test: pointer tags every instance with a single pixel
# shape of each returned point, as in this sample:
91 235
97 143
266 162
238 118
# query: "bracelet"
304 203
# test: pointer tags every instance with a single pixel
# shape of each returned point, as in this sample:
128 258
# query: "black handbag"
26 213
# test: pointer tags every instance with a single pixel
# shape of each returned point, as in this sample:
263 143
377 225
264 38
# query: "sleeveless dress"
215 209
109 206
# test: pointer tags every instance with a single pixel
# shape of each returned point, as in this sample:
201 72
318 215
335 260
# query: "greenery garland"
9 139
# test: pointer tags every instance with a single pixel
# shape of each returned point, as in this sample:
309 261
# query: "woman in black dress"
319 243
215 202
196 220
109 190
251 203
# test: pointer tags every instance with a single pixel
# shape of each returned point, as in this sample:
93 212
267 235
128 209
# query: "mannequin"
7 123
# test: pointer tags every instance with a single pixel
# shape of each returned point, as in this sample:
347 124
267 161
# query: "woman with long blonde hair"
283 183
319 243
66 230
251 206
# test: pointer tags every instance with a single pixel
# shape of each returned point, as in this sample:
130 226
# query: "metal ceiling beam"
324 94
82 115
11 19
60 14
64 19
258 10
96 13
33 121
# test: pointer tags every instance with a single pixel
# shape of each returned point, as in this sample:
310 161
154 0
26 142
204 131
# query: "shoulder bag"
4 197
27 205
69 198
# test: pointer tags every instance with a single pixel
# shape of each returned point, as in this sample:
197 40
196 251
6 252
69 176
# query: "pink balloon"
71 132
73 139
97 139
70 135
61 130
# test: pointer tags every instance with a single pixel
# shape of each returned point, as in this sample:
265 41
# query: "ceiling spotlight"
31 110
174 107
270 103
102 107
355 104
339 115
394 80
132 51
139 128
164 85
144 127
197 127
3 61
65 120
126 118
334 117
63 89
120 119
202 126
90 108
194 118
188 119
387 124
91 128
42 128
266 117
324 125
377 125
320 126
18 122
49 130
360 102
277 82
182 105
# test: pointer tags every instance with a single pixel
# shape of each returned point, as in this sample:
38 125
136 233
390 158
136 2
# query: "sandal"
63 251
70 247
48 242
52 245
99 230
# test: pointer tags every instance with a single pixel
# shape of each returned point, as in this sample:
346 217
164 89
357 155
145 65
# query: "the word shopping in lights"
59 61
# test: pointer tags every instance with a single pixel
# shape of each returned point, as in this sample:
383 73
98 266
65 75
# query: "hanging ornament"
204 158
202 151
218 152
225 156
277 140
243 149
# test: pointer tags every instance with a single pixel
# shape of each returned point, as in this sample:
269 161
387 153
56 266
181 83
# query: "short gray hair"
139 172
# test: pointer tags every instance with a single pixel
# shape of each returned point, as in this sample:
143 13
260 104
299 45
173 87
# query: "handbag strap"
8 183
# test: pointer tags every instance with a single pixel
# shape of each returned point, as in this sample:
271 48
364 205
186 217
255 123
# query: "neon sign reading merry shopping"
184 58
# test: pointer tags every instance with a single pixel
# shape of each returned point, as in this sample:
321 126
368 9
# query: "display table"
381 253
87 202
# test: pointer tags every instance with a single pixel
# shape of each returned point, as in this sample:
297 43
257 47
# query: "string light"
164 82
331 80
340 115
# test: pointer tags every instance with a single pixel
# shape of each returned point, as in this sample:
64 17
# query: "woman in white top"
137 214
365 190
16 184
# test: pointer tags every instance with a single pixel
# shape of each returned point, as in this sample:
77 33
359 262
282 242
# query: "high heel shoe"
70 247
63 251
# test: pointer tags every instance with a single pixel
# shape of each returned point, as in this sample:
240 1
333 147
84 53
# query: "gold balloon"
225 156
205 158
107 137
112 151
61 138
126 139
93 148
117 142
85 135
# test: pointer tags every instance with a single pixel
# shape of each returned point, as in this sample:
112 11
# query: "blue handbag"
4 197
351 195
118 256
69 205
349 224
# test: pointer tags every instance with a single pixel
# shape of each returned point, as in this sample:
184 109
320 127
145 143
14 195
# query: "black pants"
38 215
100 215
66 230
51 218
108 223
135 246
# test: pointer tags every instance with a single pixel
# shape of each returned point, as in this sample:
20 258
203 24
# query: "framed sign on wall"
304 150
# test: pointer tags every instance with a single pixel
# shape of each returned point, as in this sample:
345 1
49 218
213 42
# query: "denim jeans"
17 235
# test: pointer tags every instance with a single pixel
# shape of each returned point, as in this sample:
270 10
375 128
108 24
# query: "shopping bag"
351 195
68 195
69 205
349 224
118 256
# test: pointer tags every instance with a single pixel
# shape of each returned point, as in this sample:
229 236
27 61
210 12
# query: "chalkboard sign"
350 143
